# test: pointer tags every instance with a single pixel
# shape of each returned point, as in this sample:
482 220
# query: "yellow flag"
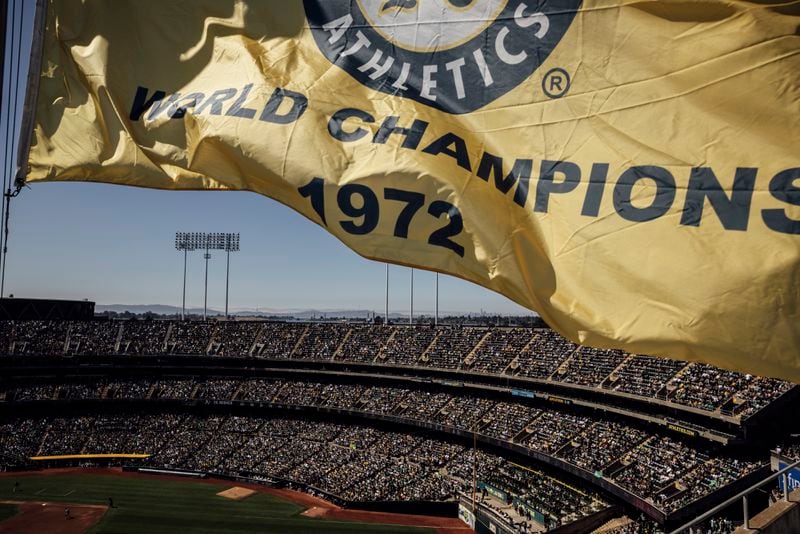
629 170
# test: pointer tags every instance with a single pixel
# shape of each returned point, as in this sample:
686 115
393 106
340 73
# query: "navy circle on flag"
453 55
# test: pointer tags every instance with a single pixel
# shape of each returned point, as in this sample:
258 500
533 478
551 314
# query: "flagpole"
11 119
9 113
205 293
8 150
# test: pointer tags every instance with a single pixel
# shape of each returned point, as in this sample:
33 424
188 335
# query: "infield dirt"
49 517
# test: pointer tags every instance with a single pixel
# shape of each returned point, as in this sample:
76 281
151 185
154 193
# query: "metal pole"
11 117
436 313
227 285
746 513
5 243
386 316
474 468
26 128
183 307
785 487
411 311
9 195
7 114
205 295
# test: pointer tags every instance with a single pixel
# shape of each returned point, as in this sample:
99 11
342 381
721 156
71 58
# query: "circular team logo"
454 55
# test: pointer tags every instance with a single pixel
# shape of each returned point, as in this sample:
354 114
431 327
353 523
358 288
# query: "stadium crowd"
790 449
355 463
648 463
538 353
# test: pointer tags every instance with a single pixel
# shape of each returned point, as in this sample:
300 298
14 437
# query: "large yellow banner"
629 170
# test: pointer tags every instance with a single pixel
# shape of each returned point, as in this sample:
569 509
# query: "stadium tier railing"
728 411
743 496
717 428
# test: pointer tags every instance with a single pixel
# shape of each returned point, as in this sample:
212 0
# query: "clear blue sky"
114 244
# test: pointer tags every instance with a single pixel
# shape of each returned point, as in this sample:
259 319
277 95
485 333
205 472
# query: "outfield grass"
155 506
7 510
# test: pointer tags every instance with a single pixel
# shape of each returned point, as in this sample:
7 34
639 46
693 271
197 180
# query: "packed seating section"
650 464
527 353
356 463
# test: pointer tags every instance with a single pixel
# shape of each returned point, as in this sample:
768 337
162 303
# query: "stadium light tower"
185 241
209 241
231 245
206 256
386 309
411 309
436 312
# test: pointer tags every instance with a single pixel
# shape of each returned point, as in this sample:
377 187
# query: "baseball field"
153 505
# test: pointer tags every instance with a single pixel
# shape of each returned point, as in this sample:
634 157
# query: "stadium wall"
21 309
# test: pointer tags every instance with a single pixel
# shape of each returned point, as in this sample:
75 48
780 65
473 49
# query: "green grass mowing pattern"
168 506
7 510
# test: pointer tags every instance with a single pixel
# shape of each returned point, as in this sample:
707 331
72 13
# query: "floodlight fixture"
230 243
189 241
185 241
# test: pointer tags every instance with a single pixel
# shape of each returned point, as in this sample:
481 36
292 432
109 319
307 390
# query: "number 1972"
360 204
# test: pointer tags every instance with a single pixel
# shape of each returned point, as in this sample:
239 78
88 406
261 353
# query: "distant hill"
163 309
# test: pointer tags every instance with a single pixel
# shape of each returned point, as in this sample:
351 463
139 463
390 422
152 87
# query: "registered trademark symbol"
556 83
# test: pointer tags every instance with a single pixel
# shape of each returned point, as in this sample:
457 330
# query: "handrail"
741 495
715 415
507 523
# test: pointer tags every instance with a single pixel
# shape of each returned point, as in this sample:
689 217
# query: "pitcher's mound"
236 493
